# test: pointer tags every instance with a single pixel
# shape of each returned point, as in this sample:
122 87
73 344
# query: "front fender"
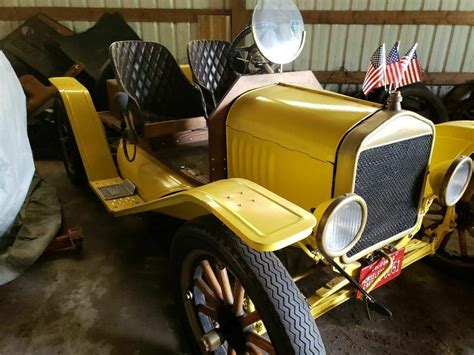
263 220
452 140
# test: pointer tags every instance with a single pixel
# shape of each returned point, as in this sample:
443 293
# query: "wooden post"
214 27
239 16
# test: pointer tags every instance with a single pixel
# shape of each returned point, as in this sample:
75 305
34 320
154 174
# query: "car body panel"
296 161
323 118
453 139
259 217
88 129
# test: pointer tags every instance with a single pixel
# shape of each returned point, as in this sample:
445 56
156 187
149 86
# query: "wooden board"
241 16
357 77
94 13
348 17
214 27
160 129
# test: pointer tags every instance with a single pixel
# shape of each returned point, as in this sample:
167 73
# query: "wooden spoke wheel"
70 152
457 246
236 300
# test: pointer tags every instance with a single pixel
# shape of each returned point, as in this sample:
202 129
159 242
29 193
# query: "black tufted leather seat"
150 76
211 68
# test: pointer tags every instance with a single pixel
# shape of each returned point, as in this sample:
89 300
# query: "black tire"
457 98
70 152
420 99
466 110
282 308
417 98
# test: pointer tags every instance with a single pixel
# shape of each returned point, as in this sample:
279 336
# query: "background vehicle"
275 162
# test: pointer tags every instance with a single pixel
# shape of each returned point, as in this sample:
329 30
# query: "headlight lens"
342 224
456 180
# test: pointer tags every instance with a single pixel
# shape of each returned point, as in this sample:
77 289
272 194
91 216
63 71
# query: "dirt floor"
116 298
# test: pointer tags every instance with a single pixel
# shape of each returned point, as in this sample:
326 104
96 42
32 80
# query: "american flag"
412 72
393 65
375 76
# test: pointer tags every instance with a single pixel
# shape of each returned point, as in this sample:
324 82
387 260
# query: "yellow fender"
452 140
263 220
259 217
88 129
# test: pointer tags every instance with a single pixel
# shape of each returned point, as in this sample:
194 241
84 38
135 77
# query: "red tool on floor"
72 240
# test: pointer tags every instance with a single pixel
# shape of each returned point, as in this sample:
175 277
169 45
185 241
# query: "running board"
116 194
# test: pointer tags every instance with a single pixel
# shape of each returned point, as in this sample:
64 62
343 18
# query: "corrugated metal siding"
328 47
441 48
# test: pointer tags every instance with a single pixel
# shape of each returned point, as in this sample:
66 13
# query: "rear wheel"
466 112
70 152
417 98
237 300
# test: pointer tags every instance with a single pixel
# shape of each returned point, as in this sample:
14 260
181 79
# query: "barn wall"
174 36
442 48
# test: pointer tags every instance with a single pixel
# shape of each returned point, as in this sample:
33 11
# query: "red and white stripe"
375 76
412 74
405 63
393 73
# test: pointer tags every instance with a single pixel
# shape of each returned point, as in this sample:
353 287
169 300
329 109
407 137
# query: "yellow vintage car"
258 164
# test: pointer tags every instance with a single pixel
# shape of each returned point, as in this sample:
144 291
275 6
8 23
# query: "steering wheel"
247 59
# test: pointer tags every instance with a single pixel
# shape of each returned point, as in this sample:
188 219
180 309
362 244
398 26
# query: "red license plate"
370 272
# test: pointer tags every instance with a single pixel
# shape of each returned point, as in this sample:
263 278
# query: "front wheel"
237 300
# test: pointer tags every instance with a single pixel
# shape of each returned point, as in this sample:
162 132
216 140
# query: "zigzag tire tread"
274 285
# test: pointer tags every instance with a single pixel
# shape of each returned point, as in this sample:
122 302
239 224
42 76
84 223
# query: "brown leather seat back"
211 68
152 78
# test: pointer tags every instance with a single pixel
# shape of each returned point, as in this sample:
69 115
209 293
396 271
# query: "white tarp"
16 159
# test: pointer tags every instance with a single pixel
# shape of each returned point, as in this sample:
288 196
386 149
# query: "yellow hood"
302 119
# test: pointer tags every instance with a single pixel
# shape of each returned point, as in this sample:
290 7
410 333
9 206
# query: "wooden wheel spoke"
470 231
260 342
223 277
444 242
434 216
427 223
211 278
250 319
469 194
253 350
462 242
239 294
208 311
206 290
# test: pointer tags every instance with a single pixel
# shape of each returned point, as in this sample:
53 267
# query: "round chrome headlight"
341 225
456 180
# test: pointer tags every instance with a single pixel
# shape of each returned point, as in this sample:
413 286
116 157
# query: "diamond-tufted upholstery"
212 70
150 76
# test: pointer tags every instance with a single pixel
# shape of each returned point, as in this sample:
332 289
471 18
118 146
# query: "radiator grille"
390 179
